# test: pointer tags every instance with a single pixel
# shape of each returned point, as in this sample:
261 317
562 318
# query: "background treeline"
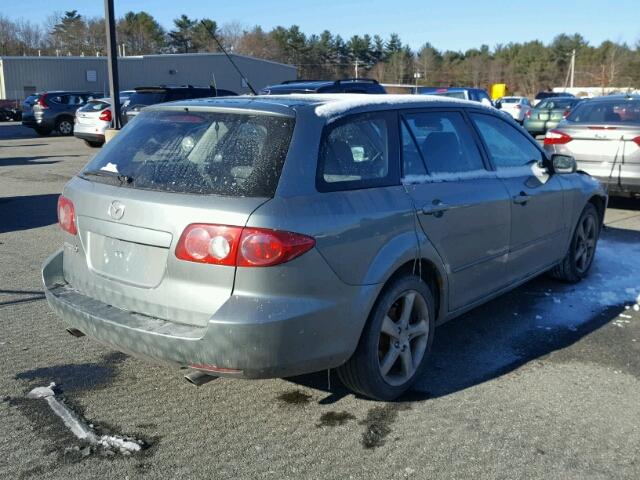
525 67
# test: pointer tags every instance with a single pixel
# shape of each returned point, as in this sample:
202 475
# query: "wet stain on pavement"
334 419
295 397
378 423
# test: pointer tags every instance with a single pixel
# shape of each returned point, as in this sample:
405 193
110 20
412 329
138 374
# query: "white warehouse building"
22 76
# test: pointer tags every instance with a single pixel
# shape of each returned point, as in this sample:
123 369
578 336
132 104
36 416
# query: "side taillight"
636 141
566 113
556 137
67 215
528 114
42 102
105 115
241 247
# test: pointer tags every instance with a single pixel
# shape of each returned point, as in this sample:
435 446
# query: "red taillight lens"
42 102
105 115
636 141
528 114
67 215
204 243
556 137
262 248
242 247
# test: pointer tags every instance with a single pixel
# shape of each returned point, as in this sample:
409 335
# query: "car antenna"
213 35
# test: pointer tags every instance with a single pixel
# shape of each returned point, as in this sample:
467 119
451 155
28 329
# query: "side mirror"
563 164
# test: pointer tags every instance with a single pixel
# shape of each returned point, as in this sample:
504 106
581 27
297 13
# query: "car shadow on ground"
30 211
17 132
530 322
39 160
624 203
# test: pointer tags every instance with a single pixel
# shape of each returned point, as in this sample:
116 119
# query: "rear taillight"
636 141
556 137
41 102
528 114
241 247
105 115
566 113
67 215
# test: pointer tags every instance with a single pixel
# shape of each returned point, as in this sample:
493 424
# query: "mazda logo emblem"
116 210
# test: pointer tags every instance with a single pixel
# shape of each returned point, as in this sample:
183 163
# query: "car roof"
616 98
323 104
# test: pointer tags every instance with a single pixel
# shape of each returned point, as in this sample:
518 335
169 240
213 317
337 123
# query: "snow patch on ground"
79 427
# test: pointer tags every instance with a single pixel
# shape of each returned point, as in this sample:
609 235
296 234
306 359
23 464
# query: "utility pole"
112 61
573 66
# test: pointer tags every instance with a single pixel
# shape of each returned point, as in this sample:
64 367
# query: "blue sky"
454 25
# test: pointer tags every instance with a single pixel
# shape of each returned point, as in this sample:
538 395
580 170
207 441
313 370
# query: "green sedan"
548 113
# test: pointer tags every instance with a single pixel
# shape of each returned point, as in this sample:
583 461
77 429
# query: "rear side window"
444 142
620 111
356 153
507 146
58 99
198 152
556 103
147 98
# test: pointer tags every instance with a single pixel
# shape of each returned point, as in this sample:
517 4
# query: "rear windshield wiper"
119 177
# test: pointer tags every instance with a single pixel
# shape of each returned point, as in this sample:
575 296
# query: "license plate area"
126 262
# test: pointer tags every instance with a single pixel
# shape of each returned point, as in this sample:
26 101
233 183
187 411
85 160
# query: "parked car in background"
54 111
473 94
603 135
517 107
548 113
10 114
346 85
145 96
272 236
547 94
93 119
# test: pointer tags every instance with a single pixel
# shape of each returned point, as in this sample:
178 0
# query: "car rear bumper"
90 137
275 338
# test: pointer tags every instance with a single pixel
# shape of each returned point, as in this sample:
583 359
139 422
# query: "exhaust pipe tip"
75 332
199 378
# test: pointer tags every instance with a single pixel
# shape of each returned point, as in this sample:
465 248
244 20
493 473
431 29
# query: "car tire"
578 260
93 144
392 350
42 131
64 126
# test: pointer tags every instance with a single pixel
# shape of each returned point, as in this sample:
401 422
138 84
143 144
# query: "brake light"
636 141
241 247
42 102
105 115
528 114
67 215
566 113
556 137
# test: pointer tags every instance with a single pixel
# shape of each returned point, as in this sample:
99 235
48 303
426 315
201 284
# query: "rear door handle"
521 199
436 208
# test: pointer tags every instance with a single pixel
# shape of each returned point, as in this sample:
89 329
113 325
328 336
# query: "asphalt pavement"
543 382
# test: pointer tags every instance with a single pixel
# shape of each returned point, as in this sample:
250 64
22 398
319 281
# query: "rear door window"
443 141
357 153
197 152
506 146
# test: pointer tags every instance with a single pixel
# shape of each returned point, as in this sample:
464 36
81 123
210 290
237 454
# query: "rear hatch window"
220 153
620 111
94 106
147 98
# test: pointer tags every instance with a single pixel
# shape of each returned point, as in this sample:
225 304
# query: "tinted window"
356 154
627 111
507 146
556 103
444 141
412 163
210 153
510 100
458 94
147 98
58 99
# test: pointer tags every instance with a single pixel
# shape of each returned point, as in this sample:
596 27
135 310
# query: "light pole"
112 62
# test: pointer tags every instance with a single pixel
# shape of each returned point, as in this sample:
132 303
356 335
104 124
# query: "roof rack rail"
370 80
302 80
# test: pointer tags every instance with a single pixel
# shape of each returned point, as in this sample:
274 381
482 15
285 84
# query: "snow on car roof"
331 105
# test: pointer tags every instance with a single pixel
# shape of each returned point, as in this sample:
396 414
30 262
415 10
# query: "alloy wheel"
65 127
586 236
403 338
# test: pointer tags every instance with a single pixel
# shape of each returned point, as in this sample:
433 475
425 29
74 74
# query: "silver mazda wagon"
271 236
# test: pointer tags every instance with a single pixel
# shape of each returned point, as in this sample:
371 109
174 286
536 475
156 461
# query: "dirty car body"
253 236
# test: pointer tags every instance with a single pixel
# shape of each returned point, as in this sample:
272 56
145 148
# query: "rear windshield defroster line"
232 154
